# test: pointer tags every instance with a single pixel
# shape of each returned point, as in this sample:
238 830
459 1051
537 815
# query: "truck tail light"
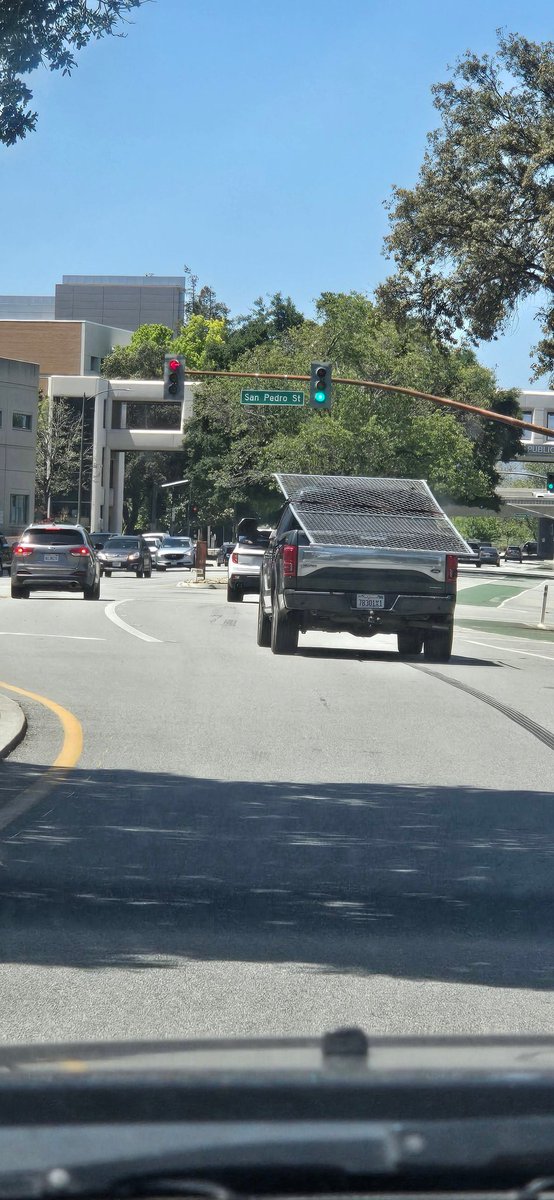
234 557
451 568
290 561
80 552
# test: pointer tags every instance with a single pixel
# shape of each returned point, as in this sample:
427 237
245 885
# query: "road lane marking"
69 755
509 650
112 615
69 637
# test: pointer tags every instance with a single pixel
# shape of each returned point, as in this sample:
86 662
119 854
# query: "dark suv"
57 558
126 552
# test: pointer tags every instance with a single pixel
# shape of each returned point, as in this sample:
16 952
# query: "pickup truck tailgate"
364 569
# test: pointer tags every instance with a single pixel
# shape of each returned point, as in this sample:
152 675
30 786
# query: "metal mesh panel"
344 511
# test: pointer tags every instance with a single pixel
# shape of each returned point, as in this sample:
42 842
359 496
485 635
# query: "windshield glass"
277 289
122 543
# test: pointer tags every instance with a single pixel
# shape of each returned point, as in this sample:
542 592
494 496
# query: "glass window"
526 415
49 536
550 420
22 421
19 509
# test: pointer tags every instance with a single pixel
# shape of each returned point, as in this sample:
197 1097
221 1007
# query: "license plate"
51 557
366 601
250 560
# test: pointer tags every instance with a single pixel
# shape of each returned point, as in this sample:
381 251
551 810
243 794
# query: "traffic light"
174 377
320 386
550 483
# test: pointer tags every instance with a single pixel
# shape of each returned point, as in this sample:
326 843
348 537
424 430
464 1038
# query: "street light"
173 484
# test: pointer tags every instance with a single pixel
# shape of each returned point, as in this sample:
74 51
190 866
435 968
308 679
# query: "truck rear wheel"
438 644
263 637
284 633
410 641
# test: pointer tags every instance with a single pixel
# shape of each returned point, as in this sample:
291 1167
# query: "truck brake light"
451 568
290 561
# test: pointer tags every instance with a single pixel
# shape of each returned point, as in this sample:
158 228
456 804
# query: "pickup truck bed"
364 556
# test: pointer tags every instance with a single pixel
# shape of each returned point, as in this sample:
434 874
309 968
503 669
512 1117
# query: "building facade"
18 443
126 301
60 347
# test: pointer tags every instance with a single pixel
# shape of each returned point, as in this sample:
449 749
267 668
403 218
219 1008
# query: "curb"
13 725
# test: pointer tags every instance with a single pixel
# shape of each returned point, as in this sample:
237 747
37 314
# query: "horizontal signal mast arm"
501 418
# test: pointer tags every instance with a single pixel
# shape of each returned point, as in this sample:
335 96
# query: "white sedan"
176 552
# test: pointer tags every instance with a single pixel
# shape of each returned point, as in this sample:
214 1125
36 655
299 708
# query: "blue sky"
255 142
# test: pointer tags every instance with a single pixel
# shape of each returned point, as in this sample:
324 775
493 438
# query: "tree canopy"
231 450
47 33
475 236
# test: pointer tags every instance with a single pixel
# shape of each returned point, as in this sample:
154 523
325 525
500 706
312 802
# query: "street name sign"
290 399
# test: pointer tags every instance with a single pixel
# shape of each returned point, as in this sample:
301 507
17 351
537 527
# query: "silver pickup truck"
364 556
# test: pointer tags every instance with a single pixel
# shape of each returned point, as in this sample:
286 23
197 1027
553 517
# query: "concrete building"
126 301
538 408
112 438
18 442
27 308
60 347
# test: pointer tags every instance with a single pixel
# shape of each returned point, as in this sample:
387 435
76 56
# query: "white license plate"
51 557
366 601
250 560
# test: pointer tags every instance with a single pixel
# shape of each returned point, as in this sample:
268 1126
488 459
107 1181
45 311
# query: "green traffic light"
320 397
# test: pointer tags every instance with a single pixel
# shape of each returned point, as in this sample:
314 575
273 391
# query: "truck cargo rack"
343 510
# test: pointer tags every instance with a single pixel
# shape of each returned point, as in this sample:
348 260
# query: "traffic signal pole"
444 401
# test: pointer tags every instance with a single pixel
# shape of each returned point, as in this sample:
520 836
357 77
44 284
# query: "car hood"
349 1051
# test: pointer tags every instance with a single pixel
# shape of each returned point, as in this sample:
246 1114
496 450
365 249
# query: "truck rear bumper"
398 609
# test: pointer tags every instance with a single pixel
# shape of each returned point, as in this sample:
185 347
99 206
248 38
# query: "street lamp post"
174 483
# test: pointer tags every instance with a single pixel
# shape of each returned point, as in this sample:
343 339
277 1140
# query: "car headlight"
132 557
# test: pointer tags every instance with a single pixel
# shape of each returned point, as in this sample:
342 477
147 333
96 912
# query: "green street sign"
292 399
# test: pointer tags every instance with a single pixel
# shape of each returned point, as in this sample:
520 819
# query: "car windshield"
276 281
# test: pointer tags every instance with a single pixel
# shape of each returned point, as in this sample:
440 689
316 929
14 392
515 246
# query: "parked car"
513 554
245 561
530 549
58 558
176 552
224 553
128 552
488 555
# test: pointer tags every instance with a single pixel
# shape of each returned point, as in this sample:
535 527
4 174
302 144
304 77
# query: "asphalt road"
251 844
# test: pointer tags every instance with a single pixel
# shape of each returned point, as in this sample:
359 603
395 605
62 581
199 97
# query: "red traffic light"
174 364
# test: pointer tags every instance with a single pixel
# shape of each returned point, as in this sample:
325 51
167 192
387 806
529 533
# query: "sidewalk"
13 725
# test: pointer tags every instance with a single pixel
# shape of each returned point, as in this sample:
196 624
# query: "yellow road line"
70 753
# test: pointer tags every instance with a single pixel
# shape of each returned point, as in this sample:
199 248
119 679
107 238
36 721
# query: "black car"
513 554
224 553
126 552
489 556
99 539
530 549
57 558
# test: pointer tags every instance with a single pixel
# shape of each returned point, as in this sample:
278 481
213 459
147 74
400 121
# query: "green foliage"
264 324
231 451
36 33
501 531
475 235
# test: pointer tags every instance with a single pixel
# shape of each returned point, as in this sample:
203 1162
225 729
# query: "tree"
36 33
231 451
58 451
475 236
263 324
